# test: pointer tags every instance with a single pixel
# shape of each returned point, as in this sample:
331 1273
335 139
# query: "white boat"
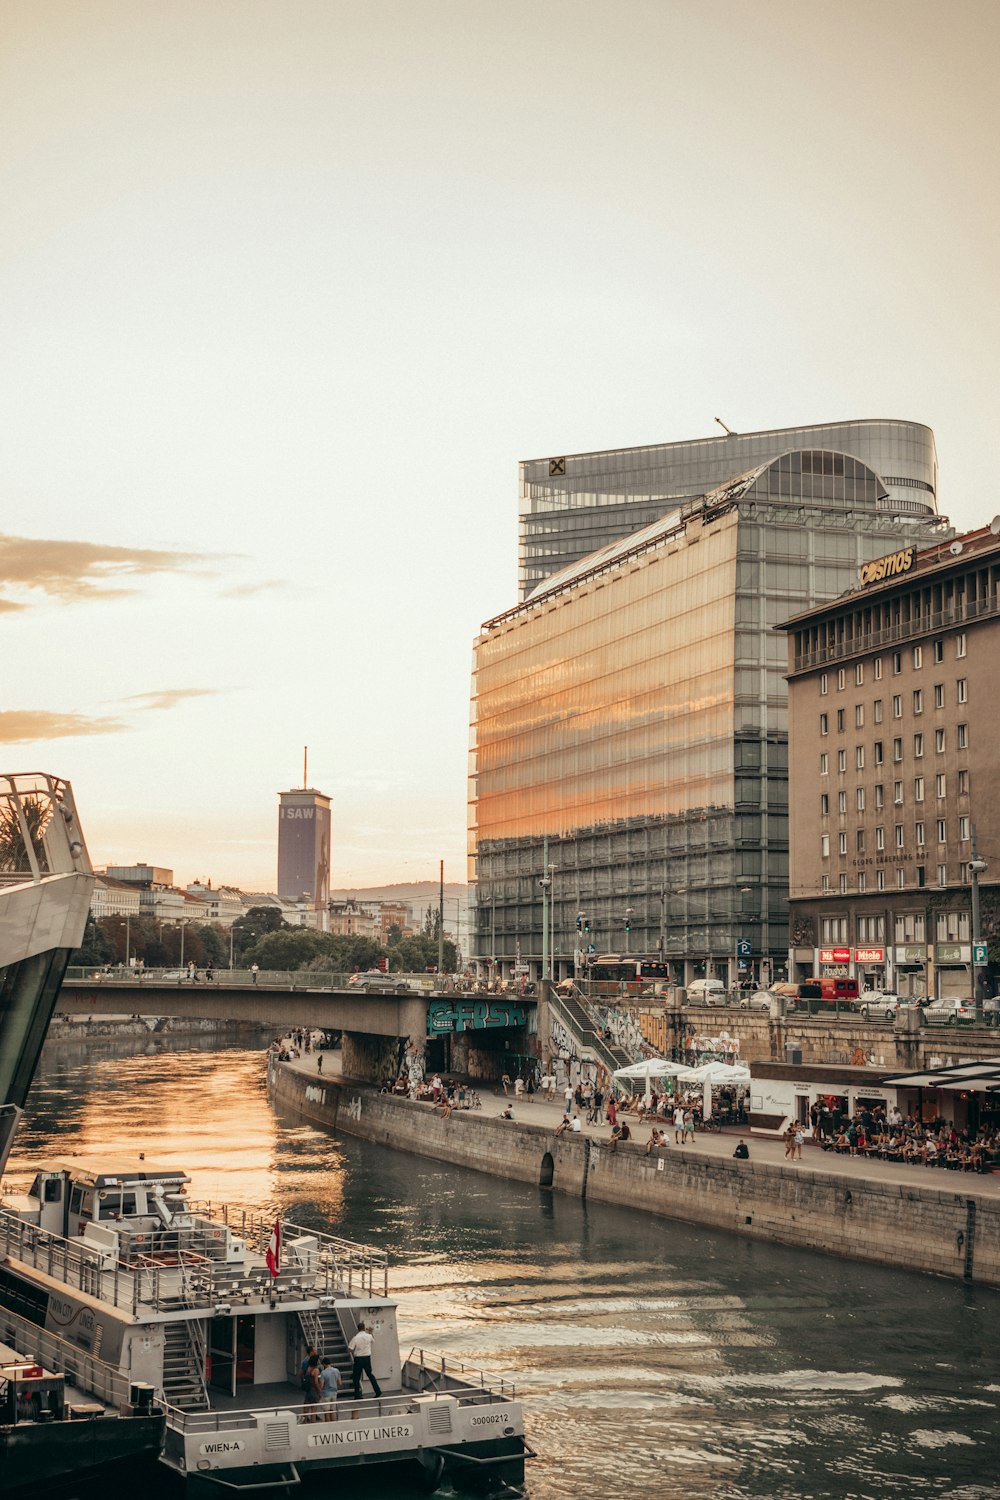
113 1258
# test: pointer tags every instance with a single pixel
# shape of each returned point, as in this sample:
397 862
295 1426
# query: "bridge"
293 1000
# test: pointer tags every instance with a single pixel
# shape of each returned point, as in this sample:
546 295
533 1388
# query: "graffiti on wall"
474 1015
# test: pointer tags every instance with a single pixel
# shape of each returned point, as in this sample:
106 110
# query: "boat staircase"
322 1330
574 1015
184 1367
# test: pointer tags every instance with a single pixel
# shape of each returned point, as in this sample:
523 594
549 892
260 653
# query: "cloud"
168 697
251 590
24 724
73 571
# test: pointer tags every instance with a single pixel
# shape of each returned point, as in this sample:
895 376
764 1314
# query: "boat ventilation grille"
439 1416
276 1435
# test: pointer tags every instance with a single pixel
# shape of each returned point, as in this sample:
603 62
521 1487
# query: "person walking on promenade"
612 1113
319 1063
689 1125
505 1081
361 1347
678 1125
254 971
799 1138
789 1142
209 972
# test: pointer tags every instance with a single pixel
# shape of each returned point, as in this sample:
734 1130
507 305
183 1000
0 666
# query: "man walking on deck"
361 1348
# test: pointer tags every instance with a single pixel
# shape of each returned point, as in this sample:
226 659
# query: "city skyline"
288 293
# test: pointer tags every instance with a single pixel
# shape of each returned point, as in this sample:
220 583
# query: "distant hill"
419 892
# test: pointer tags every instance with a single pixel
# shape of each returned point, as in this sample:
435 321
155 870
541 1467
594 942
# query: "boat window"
76 1200
53 1189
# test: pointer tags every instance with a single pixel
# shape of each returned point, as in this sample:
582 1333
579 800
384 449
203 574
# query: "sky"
287 289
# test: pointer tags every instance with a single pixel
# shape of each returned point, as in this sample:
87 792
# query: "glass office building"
629 725
575 503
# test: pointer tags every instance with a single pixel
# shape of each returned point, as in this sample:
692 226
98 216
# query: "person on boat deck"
330 1381
304 1366
361 1347
314 1392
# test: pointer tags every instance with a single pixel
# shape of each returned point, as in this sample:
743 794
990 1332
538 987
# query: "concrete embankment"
950 1229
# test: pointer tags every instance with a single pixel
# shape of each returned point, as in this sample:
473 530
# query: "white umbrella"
648 1069
710 1075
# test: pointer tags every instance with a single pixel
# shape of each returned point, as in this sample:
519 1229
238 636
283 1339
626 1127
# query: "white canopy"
652 1067
716 1072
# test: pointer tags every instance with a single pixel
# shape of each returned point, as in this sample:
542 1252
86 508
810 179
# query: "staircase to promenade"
577 1020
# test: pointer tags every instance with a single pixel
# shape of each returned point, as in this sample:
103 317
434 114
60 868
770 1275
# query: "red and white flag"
273 1256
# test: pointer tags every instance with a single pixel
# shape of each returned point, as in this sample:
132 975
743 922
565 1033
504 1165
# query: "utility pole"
441 919
977 867
545 882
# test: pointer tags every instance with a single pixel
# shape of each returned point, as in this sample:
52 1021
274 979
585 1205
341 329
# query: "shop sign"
835 955
911 953
870 955
952 953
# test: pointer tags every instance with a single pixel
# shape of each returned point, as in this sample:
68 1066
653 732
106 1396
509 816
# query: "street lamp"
628 928
546 884
977 867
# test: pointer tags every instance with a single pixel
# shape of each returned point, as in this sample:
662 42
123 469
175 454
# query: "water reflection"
656 1359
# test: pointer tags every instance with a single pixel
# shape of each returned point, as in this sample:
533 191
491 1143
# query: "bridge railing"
284 979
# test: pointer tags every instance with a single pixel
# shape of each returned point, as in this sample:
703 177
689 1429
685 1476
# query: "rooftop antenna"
305 766
727 430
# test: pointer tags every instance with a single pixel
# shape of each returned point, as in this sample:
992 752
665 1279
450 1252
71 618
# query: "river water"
654 1359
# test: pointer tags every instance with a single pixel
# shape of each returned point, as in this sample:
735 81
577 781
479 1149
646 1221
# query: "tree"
415 955
255 924
291 948
96 948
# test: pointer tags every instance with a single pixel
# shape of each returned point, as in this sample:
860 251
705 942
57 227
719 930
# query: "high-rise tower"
304 845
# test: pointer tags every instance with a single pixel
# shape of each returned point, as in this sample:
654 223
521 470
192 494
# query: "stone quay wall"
912 1227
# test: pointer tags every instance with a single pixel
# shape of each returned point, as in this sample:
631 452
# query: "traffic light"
628 924
586 924
579 921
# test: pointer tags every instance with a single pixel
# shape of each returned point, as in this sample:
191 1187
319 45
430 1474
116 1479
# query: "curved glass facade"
574 504
629 724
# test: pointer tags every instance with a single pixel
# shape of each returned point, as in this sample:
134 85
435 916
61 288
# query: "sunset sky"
287 288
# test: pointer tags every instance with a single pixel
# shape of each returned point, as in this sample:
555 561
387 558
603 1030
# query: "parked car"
881 1003
757 1000
707 992
949 1010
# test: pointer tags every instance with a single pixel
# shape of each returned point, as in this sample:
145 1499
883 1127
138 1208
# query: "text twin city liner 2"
217 1313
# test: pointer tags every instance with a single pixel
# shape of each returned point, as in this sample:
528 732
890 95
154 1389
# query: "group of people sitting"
938 1145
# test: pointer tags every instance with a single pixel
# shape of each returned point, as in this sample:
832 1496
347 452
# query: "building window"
918 789
897 793
918 833
921 877
824 724
962 690
963 737
841 760
963 828
833 929
877 669
842 837
824 846
897 749
842 802
897 705
840 720
941 784
862 883
963 783
880 838
960 643
942 826
879 796
860 798
824 806
939 650
824 683
939 695
942 874
877 710
951 927
871 929
880 879
824 764
859 716
826 885
897 663
918 700
859 757
859 841
859 673
918 657
911 928
939 741
879 752
918 745
900 879
843 885
841 679
900 837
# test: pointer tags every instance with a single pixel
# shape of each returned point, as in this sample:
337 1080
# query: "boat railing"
346 1409
341 1266
450 1375
87 1371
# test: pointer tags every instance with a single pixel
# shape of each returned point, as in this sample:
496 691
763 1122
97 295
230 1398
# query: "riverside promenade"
546 1113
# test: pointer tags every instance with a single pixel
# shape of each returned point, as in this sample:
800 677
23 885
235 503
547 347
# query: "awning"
980 1077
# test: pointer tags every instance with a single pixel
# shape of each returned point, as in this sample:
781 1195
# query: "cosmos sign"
886 567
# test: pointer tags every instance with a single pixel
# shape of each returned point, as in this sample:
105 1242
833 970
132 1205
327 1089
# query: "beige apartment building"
894 754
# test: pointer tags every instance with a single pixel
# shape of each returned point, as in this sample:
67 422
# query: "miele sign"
847 955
